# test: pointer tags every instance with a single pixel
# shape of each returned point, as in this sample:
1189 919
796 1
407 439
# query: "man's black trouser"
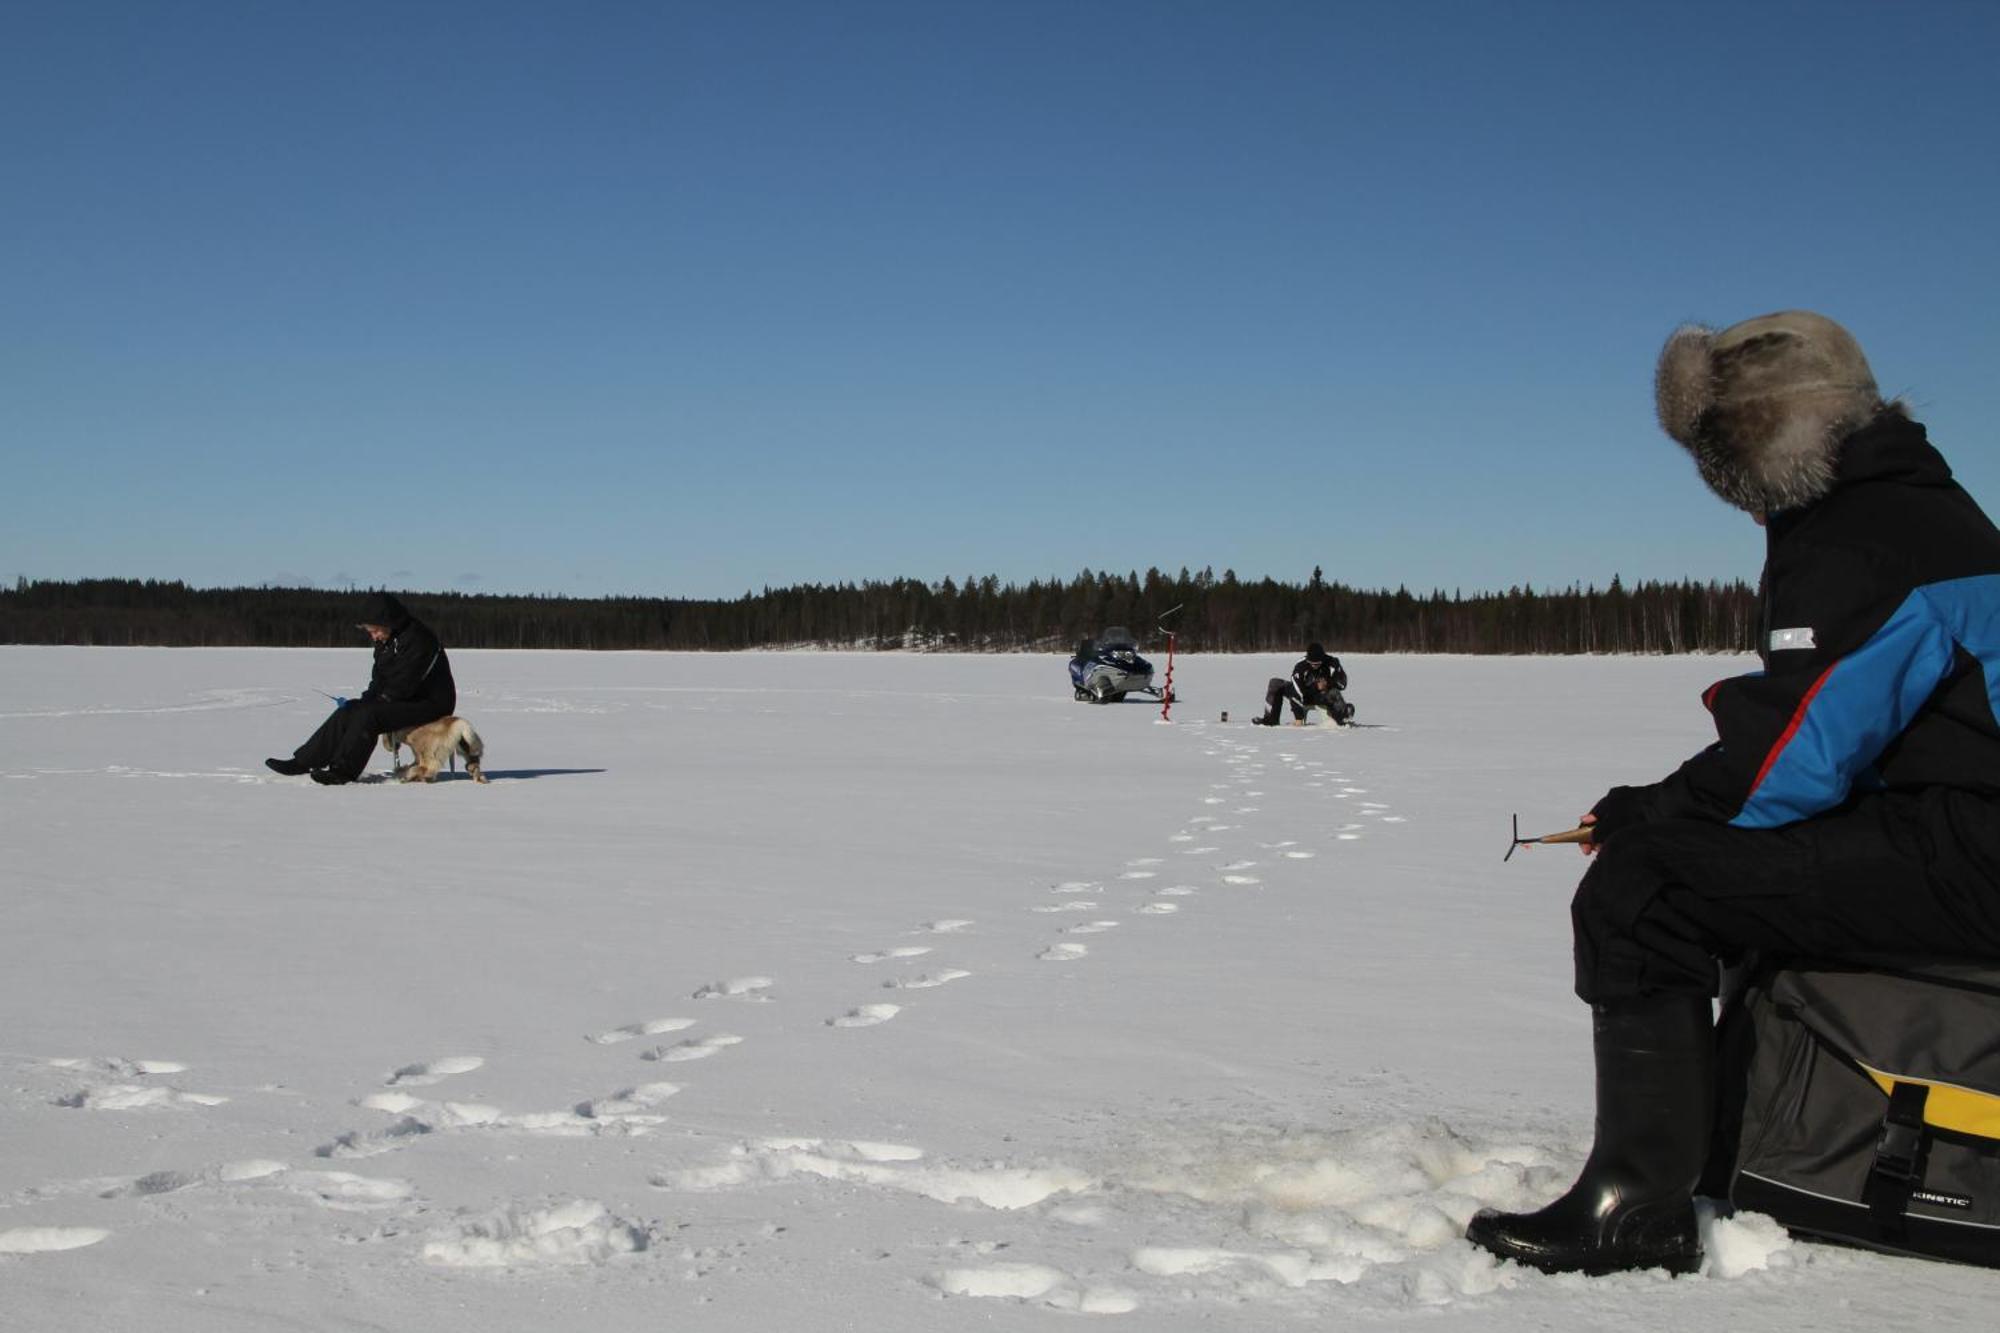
1281 690
1275 696
343 741
1887 874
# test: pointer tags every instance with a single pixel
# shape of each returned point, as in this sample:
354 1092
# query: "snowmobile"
1108 667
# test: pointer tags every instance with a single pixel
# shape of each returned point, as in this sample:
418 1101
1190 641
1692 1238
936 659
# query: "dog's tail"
470 747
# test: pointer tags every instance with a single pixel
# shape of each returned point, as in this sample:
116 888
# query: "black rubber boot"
1633 1205
290 768
330 777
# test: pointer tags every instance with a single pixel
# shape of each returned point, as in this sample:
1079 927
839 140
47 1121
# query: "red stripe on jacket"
1791 730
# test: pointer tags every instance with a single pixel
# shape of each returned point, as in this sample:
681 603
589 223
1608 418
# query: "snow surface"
821 991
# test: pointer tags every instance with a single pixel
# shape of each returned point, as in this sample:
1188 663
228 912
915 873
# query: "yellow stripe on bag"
1958 1109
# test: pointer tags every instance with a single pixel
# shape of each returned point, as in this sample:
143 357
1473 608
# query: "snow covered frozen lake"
823 991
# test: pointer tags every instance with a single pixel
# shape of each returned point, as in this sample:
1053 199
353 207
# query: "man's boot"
1633 1205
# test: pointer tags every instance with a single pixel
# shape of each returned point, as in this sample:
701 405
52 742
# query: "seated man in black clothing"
1317 682
410 685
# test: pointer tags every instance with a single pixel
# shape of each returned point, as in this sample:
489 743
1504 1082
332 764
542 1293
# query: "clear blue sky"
689 298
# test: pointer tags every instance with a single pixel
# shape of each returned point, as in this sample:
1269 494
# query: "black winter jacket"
1317 681
410 664
1880 639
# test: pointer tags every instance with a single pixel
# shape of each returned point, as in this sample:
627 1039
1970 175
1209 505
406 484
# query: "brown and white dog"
432 746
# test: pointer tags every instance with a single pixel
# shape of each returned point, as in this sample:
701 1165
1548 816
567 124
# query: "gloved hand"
1621 808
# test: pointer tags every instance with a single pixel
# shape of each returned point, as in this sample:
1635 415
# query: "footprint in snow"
1181 837
1076 886
48 1240
1090 928
347 1192
151 1184
943 976
118 1067
627 1102
432 1071
1178 891
865 1016
750 989
698 1048
1063 953
1200 851
1202 819
652 1027
1240 865
1241 879
950 926
1139 874
1073 905
1160 909
1300 856
375 1142
1394 819
1246 810
1144 861
886 955
132 1097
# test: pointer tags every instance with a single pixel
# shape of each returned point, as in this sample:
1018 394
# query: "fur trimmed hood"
1764 405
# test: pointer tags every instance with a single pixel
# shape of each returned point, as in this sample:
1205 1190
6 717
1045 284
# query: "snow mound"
1744 1243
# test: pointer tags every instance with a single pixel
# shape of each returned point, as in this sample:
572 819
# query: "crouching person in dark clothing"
1850 806
1316 682
410 685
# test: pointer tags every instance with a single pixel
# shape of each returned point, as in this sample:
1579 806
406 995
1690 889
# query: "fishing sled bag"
1871 1106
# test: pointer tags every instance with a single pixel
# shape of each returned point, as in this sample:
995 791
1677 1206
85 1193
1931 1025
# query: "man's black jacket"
410 664
1318 680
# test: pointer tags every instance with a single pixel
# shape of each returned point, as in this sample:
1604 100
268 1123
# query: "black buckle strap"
1899 1158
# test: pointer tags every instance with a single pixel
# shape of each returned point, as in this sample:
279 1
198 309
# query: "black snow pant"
343 741
1282 690
1888 874
1276 694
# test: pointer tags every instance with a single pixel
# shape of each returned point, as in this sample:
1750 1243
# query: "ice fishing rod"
1581 833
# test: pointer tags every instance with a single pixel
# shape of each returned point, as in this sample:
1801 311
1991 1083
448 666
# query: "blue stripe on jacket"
1870 696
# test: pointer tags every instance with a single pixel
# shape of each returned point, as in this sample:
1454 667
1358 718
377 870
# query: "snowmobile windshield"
1117 639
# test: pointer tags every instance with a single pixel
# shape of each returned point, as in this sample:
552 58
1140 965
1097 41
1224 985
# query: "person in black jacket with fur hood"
410 685
1850 805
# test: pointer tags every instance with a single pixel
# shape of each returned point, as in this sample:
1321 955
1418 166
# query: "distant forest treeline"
1218 614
